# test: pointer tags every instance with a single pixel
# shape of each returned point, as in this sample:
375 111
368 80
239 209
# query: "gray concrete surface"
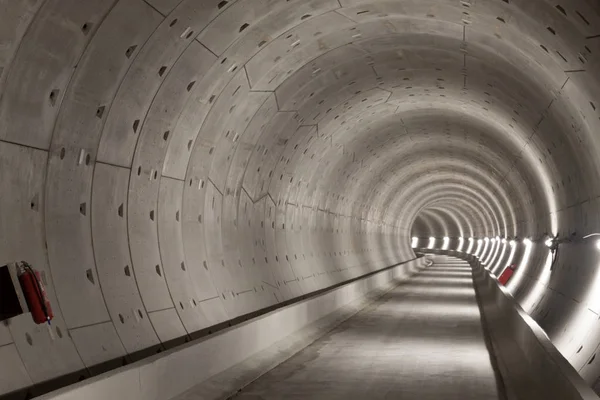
422 340
530 365
218 365
172 165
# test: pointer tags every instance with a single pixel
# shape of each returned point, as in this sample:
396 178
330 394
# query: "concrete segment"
170 165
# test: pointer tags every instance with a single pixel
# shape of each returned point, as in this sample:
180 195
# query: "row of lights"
446 242
551 242
481 250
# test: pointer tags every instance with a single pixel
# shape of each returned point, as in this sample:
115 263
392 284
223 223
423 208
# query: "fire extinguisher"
35 294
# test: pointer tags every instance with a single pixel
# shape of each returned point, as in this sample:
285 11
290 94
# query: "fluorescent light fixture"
478 249
513 248
520 272
501 254
415 242
492 253
497 254
598 244
461 242
486 244
431 242
445 243
471 242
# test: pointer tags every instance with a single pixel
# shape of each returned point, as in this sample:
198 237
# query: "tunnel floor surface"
422 340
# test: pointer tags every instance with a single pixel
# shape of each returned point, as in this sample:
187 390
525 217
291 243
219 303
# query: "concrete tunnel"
177 167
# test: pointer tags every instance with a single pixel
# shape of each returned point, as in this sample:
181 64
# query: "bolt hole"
85 28
53 96
90 275
243 27
158 270
221 4
130 51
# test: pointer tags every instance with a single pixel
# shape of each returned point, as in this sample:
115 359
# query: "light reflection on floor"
423 340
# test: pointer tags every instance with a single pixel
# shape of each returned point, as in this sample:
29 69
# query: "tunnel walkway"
422 340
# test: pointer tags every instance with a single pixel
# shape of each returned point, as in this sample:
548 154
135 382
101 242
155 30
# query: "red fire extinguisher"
508 272
35 294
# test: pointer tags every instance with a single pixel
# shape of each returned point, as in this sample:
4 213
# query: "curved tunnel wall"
170 165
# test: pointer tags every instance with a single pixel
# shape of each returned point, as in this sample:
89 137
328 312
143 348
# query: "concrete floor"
422 340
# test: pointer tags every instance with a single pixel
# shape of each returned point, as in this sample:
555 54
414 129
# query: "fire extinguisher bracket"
13 270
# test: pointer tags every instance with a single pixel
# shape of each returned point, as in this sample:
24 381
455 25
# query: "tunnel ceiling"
170 165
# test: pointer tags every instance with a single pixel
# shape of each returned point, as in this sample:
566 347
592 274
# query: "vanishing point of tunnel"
173 167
